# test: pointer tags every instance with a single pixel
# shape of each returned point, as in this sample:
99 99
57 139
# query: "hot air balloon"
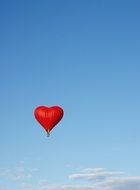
48 117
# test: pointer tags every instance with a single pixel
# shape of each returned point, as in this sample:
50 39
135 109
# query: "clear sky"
83 55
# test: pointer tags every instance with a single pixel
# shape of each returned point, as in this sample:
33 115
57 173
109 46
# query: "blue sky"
83 56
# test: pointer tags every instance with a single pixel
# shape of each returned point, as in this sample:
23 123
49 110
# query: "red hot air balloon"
48 117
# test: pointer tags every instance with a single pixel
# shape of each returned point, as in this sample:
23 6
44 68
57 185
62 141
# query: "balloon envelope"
48 117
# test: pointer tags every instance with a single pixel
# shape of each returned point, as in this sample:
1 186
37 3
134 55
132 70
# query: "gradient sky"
83 55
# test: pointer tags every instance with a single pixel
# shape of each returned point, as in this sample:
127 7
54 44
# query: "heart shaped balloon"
48 117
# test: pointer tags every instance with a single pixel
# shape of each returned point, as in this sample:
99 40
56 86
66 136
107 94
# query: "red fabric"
48 117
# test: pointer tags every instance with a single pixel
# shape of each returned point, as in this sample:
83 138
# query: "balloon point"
48 133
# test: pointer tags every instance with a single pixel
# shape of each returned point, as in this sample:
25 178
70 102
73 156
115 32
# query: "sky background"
83 55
